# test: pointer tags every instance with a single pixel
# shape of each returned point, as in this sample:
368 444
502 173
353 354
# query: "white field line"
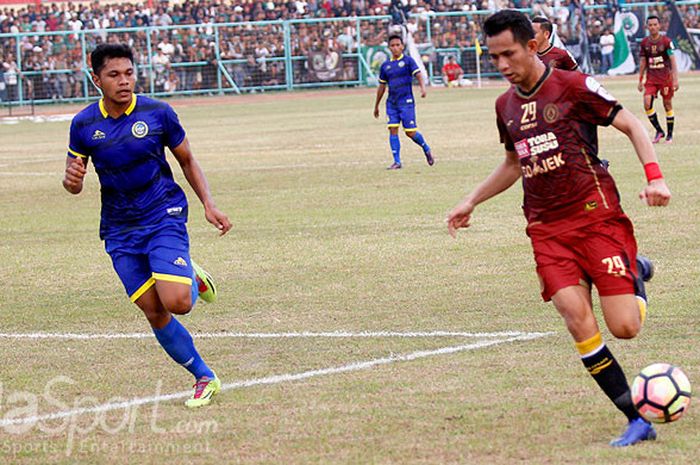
274 379
302 334
25 174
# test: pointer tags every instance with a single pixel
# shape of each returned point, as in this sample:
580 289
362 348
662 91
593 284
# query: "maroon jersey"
657 54
556 57
553 130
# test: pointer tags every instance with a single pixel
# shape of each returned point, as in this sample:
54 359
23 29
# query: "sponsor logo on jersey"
139 129
536 145
537 167
98 135
180 262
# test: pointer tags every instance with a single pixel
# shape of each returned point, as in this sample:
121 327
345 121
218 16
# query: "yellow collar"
127 112
397 59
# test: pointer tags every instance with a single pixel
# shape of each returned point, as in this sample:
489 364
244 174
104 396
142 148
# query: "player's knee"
627 329
180 304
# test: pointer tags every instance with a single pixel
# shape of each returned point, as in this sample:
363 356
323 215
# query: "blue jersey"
398 75
137 186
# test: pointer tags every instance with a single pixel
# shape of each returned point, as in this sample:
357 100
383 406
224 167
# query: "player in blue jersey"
144 212
397 73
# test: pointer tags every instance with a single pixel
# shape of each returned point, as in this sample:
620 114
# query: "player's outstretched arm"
499 180
656 192
74 175
380 93
195 177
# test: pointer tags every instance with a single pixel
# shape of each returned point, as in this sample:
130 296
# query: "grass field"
326 240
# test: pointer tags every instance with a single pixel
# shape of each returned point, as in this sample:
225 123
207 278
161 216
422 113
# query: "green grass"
325 239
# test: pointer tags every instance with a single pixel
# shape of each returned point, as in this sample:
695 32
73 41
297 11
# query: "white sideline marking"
274 379
27 173
302 334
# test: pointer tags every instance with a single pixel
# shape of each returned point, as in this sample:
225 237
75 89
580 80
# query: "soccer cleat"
395 166
645 271
205 283
638 430
658 137
669 139
204 389
645 268
429 157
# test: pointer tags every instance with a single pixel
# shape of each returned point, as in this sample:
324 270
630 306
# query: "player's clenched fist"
656 193
74 175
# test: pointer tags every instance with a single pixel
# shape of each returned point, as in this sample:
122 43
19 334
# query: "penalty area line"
274 379
299 334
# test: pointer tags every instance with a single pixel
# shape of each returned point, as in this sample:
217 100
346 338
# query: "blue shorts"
143 256
405 114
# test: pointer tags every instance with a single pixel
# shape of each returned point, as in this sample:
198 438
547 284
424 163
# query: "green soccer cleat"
205 283
204 389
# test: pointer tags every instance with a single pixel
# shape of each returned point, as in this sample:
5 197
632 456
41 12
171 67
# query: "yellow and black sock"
651 114
670 119
605 370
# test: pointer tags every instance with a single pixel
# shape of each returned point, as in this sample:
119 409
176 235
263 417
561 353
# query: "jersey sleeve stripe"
172 278
612 115
416 71
382 81
73 152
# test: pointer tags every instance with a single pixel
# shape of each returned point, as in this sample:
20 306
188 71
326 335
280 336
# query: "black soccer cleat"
394 166
429 157
645 268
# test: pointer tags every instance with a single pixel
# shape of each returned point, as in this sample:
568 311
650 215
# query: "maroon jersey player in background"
657 61
550 55
580 236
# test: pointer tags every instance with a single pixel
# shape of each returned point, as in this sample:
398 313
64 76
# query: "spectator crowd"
184 56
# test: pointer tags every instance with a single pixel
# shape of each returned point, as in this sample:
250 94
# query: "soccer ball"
661 393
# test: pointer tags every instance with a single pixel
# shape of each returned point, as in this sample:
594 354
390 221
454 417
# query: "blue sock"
195 288
418 139
395 145
178 343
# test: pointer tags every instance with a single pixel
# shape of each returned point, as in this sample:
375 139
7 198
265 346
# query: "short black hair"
545 24
650 17
103 52
510 20
395 36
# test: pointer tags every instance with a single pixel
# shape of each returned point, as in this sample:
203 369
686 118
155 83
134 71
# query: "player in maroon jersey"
550 55
657 61
580 236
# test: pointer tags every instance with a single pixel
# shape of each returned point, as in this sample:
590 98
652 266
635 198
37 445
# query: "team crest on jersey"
402 64
551 113
139 129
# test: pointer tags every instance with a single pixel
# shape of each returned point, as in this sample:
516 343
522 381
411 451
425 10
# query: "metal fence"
220 58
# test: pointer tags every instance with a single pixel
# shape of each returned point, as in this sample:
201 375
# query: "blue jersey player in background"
397 73
144 212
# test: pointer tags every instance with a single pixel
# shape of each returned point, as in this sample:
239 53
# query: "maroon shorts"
654 88
602 253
